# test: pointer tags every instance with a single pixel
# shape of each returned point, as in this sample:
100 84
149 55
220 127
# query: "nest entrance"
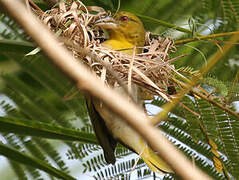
151 69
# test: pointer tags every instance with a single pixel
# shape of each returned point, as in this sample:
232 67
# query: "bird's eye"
124 18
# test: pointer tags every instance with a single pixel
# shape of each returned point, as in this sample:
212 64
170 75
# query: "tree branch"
204 70
87 81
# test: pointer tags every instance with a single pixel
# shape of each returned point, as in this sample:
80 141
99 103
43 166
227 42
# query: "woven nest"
74 22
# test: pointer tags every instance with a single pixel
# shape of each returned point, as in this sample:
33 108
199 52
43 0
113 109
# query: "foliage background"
39 111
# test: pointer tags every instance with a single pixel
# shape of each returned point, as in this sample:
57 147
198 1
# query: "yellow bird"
126 31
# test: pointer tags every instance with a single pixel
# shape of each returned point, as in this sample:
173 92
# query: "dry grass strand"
151 69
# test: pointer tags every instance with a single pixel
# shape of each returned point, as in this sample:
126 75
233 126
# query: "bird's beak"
106 23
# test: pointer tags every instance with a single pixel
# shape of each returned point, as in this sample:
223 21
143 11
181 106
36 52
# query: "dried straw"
151 69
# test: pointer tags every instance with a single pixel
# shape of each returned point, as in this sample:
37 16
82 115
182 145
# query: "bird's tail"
154 162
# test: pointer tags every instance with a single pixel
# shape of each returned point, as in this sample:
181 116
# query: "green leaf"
39 129
33 162
22 47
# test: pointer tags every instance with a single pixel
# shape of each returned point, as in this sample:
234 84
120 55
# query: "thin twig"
209 99
204 69
205 97
34 6
208 37
166 24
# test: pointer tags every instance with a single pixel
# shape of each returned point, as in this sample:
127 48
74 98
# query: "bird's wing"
106 140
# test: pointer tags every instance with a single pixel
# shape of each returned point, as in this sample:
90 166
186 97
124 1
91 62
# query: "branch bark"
89 82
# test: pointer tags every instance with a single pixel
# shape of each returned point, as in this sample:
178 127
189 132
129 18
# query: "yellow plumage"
126 32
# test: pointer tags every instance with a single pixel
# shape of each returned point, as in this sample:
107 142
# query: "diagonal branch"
204 70
90 83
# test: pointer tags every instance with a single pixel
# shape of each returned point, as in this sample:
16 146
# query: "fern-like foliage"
11 30
33 105
40 92
218 125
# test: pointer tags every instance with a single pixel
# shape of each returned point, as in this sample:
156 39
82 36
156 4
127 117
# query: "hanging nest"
151 69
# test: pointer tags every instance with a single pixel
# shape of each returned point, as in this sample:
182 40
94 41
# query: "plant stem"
209 99
204 70
169 25
184 41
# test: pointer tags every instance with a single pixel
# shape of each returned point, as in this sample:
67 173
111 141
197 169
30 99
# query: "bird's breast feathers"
120 45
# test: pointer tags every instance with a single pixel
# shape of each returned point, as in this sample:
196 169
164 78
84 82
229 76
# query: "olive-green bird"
126 31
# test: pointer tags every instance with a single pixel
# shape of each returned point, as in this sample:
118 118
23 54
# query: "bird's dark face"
126 25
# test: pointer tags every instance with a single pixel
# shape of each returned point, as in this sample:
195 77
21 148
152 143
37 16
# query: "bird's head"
124 25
